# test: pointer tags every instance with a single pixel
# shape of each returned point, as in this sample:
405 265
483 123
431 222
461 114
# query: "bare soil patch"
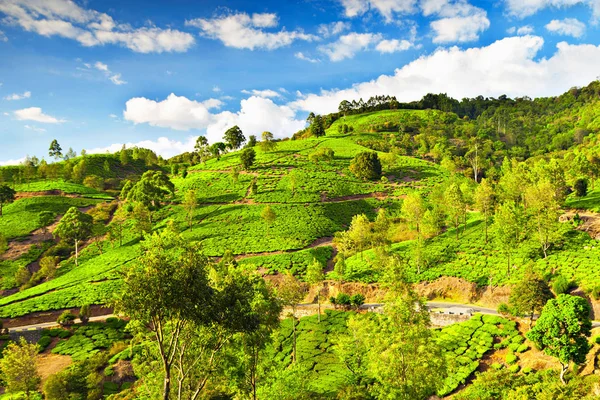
50 364
590 222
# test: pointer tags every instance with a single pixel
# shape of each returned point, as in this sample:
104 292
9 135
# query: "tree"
247 157
269 216
74 226
7 196
290 292
530 295
562 330
190 202
251 141
142 219
3 244
216 149
456 206
124 156
152 189
315 277
581 187
84 313
508 228
366 165
162 291
544 211
357 238
397 351
267 144
48 266
235 174
19 367
70 154
234 138
484 202
55 150
317 126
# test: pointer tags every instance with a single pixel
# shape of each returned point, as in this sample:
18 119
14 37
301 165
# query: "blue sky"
99 73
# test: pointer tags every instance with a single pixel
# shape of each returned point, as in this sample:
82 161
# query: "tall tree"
247 157
74 226
315 277
484 202
290 292
7 196
267 143
234 137
19 367
190 202
544 210
55 150
456 206
562 330
269 216
45 218
509 229
366 165
152 189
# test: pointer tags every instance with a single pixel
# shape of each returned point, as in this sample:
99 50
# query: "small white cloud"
262 93
113 116
392 46
87 65
282 90
212 103
36 114
101 66
568 27
6 114
526 8
300 56
523 30
348 45
116 79
459 22
243 31
16 96
227 98
3 37
162 146
333 28
216 89
387 8
35 128
18 161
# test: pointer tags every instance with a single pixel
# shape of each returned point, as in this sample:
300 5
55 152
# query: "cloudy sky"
95 74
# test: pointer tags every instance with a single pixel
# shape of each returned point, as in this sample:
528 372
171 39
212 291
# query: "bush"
561 285
84 313
44 342
357 300
497 366
66 318
247 157
511 358
366 165
503 309
522 348
580 186
343 300
515 368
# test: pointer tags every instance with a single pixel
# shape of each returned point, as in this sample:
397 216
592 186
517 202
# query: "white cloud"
243 31
113 116
35 128
216 89
300 55
523 30
348 45
16 96
101 67
392 46
387 8
116 79
508 66
163 146
459 22
526 8
568 27
262 93
36 114
333 28
212 103
256 115
3 37
12 162
66 19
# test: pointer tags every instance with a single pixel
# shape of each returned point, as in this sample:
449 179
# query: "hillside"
302 203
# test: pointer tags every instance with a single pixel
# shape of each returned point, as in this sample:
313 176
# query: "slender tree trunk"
319 305
294 334
167 383
77 252
562 373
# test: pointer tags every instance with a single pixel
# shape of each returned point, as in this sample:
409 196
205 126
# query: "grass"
21 217
589 202
296 262
56 184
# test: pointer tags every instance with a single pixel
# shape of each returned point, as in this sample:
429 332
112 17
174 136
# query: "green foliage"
66 318
366 165
19 367
247 157
89 339
581 187
234 137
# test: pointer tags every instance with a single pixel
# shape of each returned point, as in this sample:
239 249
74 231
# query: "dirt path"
55 192
590 221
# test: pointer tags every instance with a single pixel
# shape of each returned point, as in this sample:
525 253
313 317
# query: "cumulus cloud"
392 46
163 146
244 31
18 161
459 22
526 8
66 19
300 56
113 77
568 27
36 114
387 8
348 45
508 66
17 96
262 93
256 114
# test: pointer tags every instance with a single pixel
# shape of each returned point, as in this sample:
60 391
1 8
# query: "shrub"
511 358
596 292
497 366
580 186
597 339
503 309
247 157
357 300
515 368
66 318
561 285
527 370
343 300
366 165
522 348
322 154
84 313
44 342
